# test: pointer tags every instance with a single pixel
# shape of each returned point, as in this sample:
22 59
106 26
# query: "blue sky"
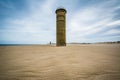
34 21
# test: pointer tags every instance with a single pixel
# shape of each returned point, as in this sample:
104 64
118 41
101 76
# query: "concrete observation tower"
61 27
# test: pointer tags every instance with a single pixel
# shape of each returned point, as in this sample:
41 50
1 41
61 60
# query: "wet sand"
74 62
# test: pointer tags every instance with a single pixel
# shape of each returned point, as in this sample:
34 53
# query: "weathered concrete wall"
61 27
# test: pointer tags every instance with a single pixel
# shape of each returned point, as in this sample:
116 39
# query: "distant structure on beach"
61 27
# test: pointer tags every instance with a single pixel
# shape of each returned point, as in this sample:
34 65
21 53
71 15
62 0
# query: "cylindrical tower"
61 27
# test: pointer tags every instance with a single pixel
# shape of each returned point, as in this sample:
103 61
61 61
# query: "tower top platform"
61 9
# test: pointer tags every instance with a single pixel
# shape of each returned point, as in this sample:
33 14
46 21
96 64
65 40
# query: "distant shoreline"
23 44
118 42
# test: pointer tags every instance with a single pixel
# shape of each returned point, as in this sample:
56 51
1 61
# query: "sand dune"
74 62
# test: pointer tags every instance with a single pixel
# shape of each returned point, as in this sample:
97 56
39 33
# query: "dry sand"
74 62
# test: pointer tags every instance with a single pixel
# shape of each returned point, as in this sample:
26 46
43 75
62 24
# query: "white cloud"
38 25
112 32
90 21
114 23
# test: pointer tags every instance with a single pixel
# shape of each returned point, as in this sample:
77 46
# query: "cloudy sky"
34 21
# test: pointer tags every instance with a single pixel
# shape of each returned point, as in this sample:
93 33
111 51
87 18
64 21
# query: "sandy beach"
73 62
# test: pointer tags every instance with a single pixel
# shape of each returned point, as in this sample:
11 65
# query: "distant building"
60 27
